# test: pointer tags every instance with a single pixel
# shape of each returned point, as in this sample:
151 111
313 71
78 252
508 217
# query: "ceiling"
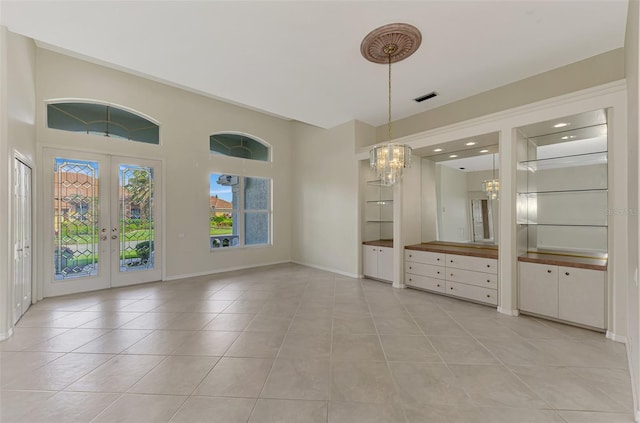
301 60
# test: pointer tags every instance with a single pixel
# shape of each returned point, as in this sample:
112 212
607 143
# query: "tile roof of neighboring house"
219 204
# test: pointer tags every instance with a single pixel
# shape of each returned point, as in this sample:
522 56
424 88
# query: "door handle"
114 236
103 238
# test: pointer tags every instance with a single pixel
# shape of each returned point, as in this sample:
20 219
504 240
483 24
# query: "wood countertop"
556 259
380 243
473 250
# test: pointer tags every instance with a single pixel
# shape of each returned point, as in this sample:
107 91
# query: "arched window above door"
239 145
102 119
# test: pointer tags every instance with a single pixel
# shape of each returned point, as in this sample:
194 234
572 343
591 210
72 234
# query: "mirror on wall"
460 191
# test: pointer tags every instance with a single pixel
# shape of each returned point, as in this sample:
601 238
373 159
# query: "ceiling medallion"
386 45
396 40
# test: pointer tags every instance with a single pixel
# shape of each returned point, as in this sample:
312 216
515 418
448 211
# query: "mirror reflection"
461 191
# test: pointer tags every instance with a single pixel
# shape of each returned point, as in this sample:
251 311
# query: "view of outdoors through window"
235 219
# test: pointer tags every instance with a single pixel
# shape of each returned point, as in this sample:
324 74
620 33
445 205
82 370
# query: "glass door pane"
136 220
75 210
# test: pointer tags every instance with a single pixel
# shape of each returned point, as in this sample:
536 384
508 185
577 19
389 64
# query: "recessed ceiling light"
453 156
471 143
484 151
437 150
560 125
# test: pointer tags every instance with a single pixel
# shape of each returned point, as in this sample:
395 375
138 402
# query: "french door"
21 238
103 220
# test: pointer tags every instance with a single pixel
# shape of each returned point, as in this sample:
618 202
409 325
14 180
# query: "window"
238 145
101 119
239 211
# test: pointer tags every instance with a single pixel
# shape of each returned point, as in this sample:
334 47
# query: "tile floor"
292 344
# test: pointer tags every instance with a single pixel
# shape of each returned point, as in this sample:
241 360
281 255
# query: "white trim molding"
339 272
508 312
618 338
226 269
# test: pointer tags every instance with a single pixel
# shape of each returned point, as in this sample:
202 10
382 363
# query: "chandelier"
389 44
491 187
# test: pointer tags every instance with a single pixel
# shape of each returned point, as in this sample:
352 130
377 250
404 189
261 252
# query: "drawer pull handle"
410 255
549 271
410 267
488 296
451 261
451 288
488 280
452 274
488 265
566 273
438 272
410 280
437 259
438 285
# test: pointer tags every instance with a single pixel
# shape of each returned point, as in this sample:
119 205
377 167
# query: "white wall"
632 45
326 206
17 137
186 122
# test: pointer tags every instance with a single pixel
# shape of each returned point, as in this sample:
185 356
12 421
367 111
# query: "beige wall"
325 198
632 45
17 137
186 121
596 70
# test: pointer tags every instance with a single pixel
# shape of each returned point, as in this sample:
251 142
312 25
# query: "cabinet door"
385 263
581 297
538 288
370 261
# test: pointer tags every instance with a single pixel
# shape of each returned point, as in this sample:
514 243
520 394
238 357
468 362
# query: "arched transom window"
102 119
238 145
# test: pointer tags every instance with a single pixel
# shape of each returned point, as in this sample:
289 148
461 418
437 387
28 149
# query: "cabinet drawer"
477 264
425 282
476 293
485 280
424 269
425 257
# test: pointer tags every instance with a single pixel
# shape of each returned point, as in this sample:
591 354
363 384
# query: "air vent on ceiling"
425 97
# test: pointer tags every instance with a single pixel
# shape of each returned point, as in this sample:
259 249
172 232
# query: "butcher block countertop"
380 243
473 250
568 260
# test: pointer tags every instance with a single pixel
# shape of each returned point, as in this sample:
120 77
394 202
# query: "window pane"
102 120
241 146
256 193
256 227
223 210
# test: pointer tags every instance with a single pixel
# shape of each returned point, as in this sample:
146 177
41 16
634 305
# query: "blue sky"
223 192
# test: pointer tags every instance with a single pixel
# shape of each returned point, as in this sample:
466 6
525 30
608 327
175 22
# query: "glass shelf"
379 221
563 208
381 202
585 159
561 191
575 238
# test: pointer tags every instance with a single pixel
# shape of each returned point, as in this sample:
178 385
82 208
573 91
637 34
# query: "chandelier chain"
389 124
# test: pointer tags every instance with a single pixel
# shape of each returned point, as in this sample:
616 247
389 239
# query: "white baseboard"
617 338
226 269
326 269
6 335
508 312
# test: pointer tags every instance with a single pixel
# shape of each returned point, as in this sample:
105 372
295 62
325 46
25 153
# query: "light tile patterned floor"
292 344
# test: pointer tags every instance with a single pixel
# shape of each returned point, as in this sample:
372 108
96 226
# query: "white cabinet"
566 293
377 262
473 278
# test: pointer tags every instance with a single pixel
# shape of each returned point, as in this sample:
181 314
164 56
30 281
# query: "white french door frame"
109 274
